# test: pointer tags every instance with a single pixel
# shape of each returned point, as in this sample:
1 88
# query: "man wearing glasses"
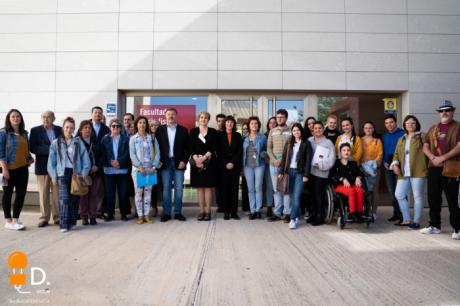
442 144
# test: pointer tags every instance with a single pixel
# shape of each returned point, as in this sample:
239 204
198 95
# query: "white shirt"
69 154
96 127
50 133
295 150
407 158
171 137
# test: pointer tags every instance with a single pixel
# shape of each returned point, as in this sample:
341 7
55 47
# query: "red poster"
185 113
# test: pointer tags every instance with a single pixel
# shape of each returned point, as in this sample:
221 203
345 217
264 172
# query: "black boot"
269 212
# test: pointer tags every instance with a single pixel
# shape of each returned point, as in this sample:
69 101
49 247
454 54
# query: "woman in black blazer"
229 155
203 161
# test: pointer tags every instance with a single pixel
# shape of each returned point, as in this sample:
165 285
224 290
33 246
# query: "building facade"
233 56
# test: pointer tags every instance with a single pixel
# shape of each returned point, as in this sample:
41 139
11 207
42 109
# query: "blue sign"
111 108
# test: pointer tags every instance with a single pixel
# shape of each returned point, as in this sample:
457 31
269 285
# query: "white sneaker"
73 227
456 236
430 230
292 224
9 226
374 216
64 230
19 226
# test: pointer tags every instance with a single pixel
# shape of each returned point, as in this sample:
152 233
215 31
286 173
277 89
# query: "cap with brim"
446 105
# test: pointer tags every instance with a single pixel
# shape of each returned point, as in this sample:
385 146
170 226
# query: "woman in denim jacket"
66 154
15 159
145 157
254 155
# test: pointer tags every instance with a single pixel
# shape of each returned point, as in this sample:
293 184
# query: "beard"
444 119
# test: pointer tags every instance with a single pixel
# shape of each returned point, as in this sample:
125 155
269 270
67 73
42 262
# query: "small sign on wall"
110 111
390 105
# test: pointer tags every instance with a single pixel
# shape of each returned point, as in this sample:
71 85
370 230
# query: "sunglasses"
445 111
117 126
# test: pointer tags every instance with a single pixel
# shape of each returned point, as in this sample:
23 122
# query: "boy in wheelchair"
346 177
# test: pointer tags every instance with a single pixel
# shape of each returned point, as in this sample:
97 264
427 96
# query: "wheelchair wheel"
328 205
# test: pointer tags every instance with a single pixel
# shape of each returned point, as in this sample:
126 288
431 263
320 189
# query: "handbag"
79 186
451 168
282 180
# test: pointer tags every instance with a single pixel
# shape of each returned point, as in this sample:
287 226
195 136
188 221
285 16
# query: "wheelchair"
336 206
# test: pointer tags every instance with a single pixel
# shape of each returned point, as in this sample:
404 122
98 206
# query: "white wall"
69 55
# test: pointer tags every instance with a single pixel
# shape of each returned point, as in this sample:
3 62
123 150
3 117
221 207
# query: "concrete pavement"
235 263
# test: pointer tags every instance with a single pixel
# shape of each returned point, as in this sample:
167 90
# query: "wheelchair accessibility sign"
390 105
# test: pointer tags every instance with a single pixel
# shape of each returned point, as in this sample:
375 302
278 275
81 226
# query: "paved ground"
235 263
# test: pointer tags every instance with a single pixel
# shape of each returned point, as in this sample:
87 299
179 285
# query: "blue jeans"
417 184
391 179
68 203
281 200
170 174
254 179
268 186
295 192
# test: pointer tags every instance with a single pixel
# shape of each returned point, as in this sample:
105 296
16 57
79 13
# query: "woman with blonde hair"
203 143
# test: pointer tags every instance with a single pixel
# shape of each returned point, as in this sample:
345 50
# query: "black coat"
229 153
350 171
95 154
104 130
123 151
303 157
40 146
181 145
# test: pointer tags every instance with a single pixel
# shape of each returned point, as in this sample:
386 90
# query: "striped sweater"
276 140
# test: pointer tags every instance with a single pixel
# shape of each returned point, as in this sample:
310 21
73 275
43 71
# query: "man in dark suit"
40 141
173 140
98 131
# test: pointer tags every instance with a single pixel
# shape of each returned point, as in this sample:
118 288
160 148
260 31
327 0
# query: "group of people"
289 166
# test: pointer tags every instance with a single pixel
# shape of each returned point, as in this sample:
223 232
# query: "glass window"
238 107
294 108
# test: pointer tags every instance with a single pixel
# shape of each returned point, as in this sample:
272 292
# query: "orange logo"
17 263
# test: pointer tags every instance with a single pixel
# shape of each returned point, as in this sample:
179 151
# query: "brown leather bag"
451 168
79 186
282 180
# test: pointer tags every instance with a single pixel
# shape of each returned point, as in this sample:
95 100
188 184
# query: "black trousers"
116 183
18 180
230 192
317 186
437 183
219 193
244 195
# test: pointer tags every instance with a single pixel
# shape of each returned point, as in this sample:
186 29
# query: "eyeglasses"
411 123
117 126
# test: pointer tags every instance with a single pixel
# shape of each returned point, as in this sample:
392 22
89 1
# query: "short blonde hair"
208 115
332 116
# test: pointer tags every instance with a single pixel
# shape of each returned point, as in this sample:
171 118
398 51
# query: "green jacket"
418 160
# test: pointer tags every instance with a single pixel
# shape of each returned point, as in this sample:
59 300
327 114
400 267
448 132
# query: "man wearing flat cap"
442 147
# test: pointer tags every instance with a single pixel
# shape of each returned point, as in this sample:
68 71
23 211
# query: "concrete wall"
68 55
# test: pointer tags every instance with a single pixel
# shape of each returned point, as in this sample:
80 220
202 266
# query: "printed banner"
185 113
